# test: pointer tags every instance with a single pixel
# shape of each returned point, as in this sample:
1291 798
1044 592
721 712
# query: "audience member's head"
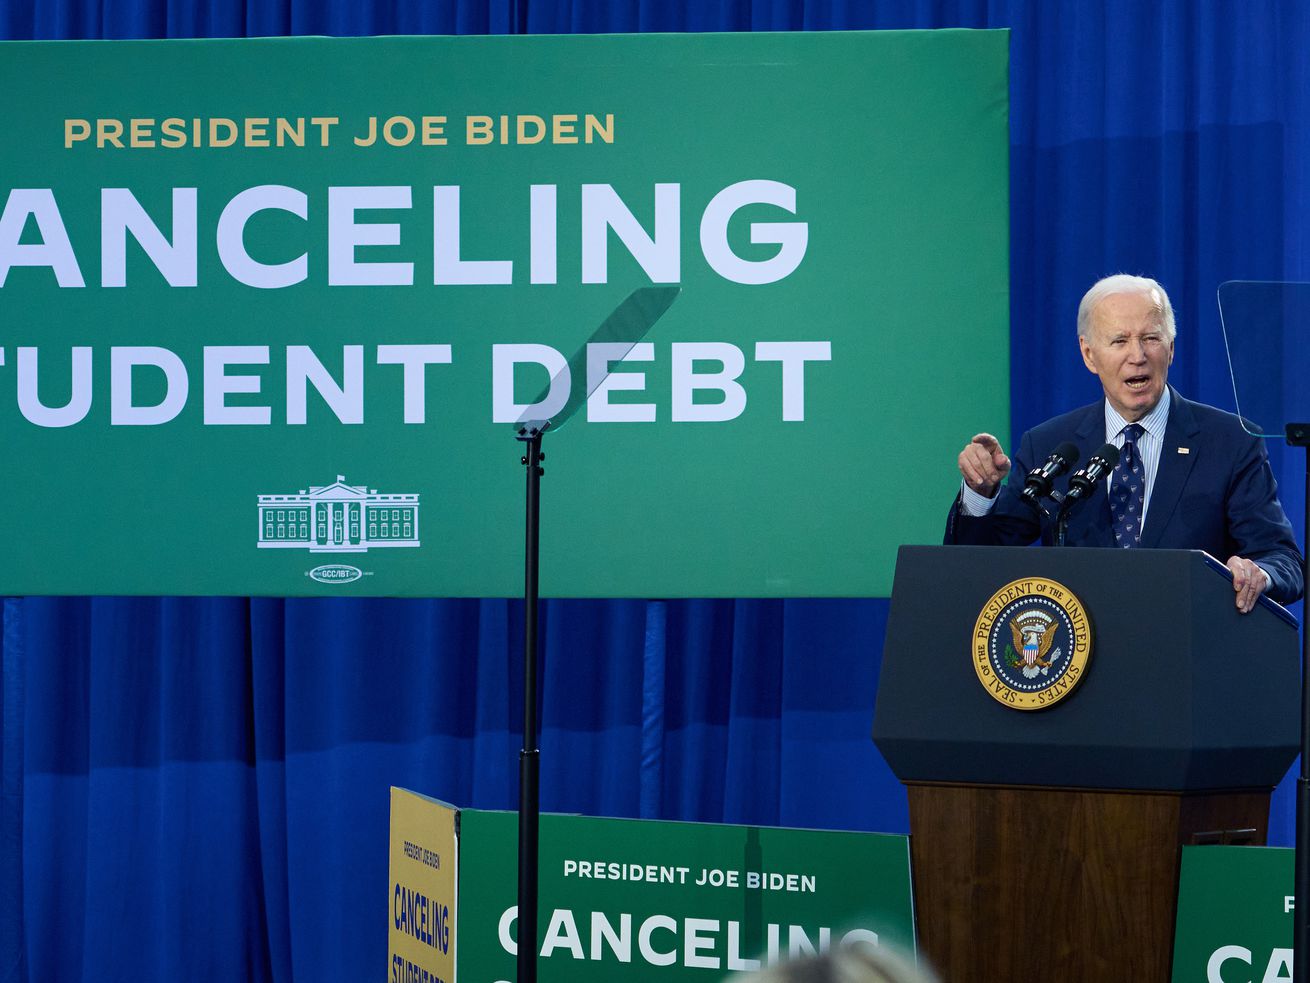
858 964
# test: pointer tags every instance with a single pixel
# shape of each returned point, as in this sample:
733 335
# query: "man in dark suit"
1189 476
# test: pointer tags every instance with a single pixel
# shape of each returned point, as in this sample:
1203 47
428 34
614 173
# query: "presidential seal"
1031 643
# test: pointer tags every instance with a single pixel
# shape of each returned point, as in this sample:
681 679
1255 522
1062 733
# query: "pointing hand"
984 465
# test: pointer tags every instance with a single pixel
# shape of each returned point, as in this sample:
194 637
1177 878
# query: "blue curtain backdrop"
197 787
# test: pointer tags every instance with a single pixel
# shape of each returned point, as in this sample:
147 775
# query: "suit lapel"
1173 471
1090 434
1094 514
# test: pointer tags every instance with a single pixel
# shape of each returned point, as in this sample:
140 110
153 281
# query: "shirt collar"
1153 423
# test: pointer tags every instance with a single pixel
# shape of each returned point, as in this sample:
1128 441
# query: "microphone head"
1068 451
1109 454
1084 481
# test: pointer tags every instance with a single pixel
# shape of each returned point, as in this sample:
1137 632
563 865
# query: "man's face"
1128 347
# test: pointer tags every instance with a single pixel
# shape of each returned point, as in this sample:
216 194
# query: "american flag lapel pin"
1184 450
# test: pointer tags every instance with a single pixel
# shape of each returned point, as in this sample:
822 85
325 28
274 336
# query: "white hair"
1123 283
855 964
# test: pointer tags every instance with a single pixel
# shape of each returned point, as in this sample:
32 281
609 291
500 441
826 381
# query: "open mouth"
1137 382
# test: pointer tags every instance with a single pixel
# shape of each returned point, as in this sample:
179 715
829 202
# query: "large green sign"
267 309
1235 909
633 899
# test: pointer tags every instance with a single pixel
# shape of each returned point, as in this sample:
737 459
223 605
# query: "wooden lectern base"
1036 884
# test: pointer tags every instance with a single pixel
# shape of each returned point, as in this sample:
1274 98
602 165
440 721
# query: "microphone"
1038 483
1083 482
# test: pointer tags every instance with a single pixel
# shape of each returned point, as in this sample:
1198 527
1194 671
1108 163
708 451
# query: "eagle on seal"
1033 637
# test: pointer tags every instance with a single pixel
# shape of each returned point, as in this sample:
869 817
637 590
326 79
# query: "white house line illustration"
338 518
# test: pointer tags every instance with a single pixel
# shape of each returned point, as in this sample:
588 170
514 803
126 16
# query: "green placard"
661 901
1235 909
266 305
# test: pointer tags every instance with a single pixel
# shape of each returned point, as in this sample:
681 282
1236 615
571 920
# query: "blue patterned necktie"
1128 490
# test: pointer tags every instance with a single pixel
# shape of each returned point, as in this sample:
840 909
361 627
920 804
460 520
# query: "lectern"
1045 842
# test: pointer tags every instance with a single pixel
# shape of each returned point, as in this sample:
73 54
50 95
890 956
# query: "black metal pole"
530 756
628 323
1298 435
1301 882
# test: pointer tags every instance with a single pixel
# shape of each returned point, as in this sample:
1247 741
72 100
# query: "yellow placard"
423 896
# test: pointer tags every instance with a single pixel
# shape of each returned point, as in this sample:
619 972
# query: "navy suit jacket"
1214 491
